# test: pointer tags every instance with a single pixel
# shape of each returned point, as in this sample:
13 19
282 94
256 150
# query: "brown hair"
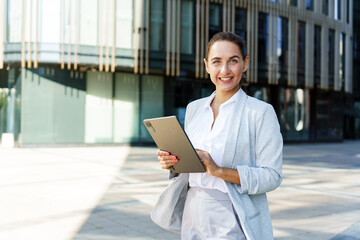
236 39
230 37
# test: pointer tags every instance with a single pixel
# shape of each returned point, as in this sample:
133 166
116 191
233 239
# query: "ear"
206 65
246 63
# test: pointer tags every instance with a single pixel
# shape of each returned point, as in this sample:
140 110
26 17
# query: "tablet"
169 136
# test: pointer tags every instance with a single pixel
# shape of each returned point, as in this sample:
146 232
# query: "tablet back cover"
169 136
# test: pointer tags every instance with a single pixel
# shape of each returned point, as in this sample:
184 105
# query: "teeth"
226 79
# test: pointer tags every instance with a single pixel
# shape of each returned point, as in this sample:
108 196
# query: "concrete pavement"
108 192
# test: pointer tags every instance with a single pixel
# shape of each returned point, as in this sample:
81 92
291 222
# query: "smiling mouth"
225 79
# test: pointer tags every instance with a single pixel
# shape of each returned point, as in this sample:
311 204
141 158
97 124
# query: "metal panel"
178 38
23 35
168 39
2 12
147 36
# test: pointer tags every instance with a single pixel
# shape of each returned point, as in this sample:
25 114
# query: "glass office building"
89 71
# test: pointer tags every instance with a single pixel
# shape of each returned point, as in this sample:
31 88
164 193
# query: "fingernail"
174 157
167 154
175 161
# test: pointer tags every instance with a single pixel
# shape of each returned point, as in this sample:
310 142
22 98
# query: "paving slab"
108 192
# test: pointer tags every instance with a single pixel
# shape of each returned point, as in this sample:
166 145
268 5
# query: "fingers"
166 160
162 153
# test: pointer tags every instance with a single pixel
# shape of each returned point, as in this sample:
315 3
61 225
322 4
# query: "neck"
222 96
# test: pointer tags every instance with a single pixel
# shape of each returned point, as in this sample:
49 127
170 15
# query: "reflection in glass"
342 59
301 53
331 52
215 21
187 27
325 7
317 54
294 113
310 5
241 22
337 9
157 25
282 49
263 46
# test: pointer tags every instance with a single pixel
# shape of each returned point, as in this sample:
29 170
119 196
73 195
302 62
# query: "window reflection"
241 22
187 27
294 113
156 25
282 49
301 53
317 54
331 52
263 46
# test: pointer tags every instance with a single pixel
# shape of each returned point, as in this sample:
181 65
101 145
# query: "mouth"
225 79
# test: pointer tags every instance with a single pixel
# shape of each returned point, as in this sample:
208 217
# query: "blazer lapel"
232 138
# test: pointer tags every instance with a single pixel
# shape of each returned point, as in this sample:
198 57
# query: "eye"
216 62
233 61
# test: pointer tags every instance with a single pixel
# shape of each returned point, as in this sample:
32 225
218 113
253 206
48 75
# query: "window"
240 22
347 11
157 25
317 55
293 3
294 113
215 21
331 52
325 7
263 46
282 48
187 27
337 9
301 53
342 59
310 5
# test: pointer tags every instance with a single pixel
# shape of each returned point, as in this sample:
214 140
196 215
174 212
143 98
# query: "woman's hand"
227 174
166 160
211 167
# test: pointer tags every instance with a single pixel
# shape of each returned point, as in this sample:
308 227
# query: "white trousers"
209 215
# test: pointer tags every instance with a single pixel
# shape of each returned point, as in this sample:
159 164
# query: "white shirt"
212 140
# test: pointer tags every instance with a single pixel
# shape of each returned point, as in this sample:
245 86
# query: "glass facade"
187 27
241 22
215 21
331 54
157 16
317 55
90 104
301 53
310 5
294 113
342 59
263 47
282 49
325 7
337 9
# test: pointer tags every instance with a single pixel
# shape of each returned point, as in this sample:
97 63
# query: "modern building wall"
91 71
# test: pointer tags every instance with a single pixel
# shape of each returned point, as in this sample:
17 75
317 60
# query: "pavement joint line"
331 193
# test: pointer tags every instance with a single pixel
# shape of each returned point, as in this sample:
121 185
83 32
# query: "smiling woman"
238 139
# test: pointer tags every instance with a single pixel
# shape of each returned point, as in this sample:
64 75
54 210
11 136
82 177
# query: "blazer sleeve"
267 174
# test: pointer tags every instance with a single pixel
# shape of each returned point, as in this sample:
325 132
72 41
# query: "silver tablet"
169 136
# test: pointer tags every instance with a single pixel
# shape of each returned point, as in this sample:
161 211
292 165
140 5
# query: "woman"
238 139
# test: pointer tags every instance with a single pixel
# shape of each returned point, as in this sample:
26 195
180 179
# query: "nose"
225 69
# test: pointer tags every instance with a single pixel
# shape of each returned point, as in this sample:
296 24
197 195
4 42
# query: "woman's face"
225 64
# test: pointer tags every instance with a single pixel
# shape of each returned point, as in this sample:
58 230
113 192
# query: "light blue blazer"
254 147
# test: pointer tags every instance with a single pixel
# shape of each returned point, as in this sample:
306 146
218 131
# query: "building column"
348 64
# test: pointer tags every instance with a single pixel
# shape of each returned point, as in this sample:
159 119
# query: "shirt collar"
234 98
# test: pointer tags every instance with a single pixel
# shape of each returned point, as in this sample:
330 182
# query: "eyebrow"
235 56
